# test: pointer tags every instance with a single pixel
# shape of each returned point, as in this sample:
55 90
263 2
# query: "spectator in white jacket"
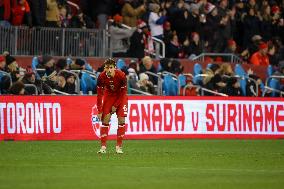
119 37
156 20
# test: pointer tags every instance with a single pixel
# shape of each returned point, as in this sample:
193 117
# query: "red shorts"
121 110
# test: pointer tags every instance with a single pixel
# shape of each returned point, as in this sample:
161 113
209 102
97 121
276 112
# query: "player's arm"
122 92
100 91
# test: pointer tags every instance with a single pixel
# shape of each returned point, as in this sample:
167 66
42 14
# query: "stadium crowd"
251 29
188 27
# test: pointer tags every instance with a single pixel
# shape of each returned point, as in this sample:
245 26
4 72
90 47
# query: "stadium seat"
208 66
243 81
275 84
87 83
35 63
120 64
197 69
182 80
159 68
170 86
270 70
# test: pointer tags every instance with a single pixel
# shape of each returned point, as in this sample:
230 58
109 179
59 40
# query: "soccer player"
112 98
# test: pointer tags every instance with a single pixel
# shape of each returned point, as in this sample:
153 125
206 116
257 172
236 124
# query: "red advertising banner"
75 118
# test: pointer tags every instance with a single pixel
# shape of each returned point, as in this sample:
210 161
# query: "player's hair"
109 61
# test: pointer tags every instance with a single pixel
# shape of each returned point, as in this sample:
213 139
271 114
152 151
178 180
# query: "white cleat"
102 150
118 150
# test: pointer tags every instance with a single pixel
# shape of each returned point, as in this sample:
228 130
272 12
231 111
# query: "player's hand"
113 109
100 117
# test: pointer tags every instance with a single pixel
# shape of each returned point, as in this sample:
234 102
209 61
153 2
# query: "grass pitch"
145 164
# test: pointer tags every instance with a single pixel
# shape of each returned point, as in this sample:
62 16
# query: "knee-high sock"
120 134
104 133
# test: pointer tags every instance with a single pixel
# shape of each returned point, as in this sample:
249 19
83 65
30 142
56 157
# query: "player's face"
110 70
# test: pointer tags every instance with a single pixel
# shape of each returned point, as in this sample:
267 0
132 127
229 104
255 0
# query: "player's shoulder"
102 75
120 73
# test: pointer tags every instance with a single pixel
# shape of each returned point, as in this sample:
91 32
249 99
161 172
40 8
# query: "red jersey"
259 59
18 13
111 87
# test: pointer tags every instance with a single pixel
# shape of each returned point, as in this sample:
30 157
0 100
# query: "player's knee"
121 120
106 119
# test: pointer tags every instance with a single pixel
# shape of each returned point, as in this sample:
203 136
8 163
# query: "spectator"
52 14
231 47
64 17
171 65
102 10
251 26
190 90
29 78
81 21
131 13
252 48
132 77
174 49
232 87
5 10
214 84
223 8
211 26
251 86
147 65
5 84
134 65
139 41
47 63
223 33
183 25
2 64
168 33
51 79
38 11
260 57
20 11
225 70
156 21
119 37
196 46
144 84
66 83
61 64
266 23
18 88
13 68
271 50
78 64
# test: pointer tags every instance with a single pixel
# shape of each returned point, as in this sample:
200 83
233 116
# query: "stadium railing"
23 40
272 84
211 92
231 57
139 92
158 87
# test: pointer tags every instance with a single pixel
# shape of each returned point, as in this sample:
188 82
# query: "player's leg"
104 132
105 124
121 114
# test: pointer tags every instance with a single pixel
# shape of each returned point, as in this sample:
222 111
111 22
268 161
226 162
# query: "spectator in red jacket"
260 57
20 11
5 10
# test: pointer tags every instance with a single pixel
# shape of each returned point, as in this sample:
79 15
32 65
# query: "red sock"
104 134
120 134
